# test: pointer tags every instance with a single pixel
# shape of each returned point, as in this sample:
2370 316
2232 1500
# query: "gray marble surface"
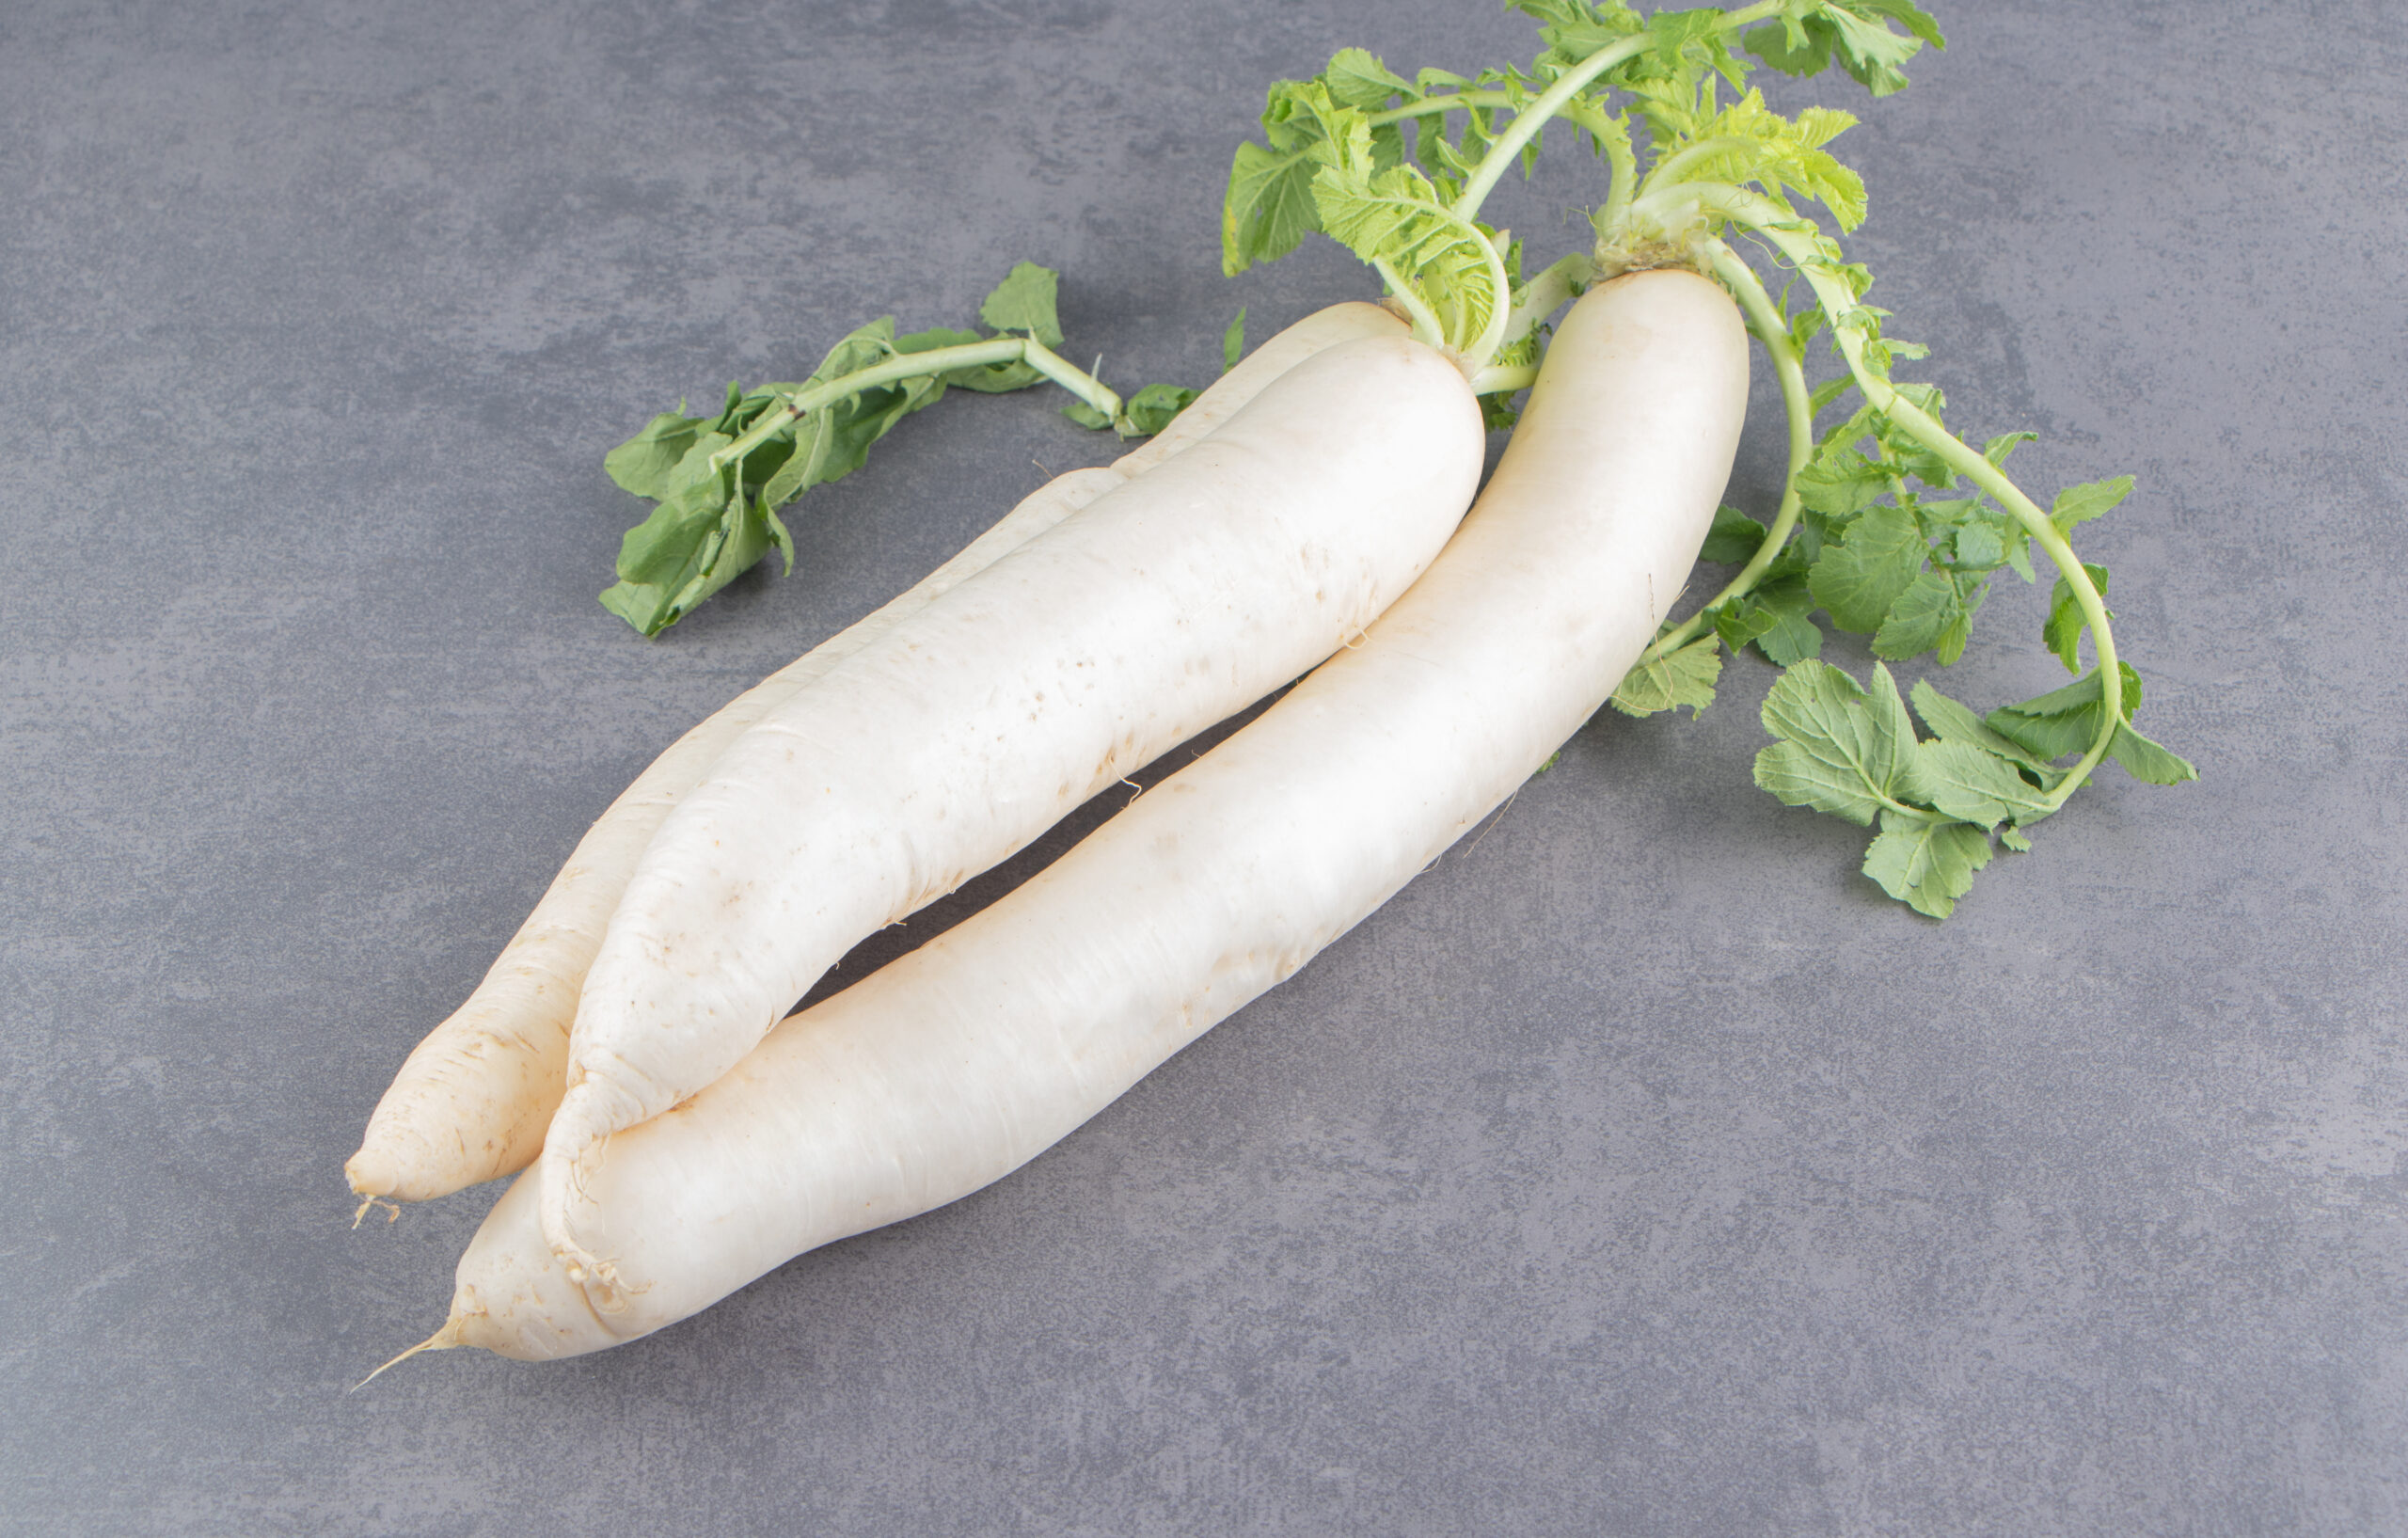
1637 1171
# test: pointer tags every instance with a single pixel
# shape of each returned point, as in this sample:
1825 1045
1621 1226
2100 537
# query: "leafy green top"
1889 527
717 481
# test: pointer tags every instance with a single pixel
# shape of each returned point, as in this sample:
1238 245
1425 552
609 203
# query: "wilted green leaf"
1025 301
642 463
2062 633
1685 677
1152 408
2066 720
1233 341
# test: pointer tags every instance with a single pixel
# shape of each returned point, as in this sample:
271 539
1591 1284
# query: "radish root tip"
442 1340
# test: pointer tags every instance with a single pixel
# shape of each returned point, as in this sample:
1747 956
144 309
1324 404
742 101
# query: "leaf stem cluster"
1399 171
936 362
716 482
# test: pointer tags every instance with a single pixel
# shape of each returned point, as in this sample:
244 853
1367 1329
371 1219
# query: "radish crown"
1889 526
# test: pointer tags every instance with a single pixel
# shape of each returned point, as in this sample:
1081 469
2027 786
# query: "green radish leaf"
865 346
1843 749
1792 636
1233 341
1978 543
1797 776
1953 722
1790 44
1940 520
1840 480
1734 538
665 550
1811 32
642 463
1917 20
2078 505
1776 618
1975 786
2066 720
1355 79
1926 866
1820 398
1574 29
1778 153
775 527
803 467
1678 31
1326 166
2146 761
1024 302
1996 449
2062 633
711 524
1740 620
640 605
1685 677
2019 551
1870 569
1269 207
694 467
1869 50
1929 616
1152 408
1396 219
680 546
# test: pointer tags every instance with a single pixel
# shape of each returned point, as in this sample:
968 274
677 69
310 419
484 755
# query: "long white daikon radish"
473 1099
958 1063
961 734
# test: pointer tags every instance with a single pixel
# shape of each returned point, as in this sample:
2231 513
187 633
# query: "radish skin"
472 1101
1317 332
958 1063
953 739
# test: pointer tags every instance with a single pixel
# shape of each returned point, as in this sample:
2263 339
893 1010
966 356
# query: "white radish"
472 1101
1350 320
960 1061
956 738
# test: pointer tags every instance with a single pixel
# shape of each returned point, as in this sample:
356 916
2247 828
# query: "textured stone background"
1637 1171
